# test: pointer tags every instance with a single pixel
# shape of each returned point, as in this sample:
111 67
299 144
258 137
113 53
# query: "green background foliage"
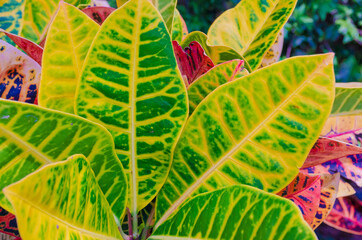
316 26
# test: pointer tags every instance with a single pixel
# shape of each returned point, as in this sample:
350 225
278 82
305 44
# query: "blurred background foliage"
316 26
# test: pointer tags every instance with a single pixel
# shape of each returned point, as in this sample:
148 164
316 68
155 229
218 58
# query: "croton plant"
119 124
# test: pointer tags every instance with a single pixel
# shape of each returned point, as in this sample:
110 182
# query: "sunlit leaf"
215 77
256 130
31 137
179 28
274 53
19 74
11 16
131 85
98 14
69 38
237 212
341 124
348 99
80 212
251 27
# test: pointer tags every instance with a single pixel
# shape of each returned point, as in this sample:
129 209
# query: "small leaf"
345 189
348 100
19 75
192 61
11 15
80 212
237 212
179 28
274 53
98 14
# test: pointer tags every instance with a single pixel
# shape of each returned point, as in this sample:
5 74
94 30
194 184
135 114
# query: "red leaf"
305 192
98 14
8 223
346 215
192 62
32 49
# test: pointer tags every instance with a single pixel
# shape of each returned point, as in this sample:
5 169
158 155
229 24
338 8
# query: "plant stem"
147 228
130 229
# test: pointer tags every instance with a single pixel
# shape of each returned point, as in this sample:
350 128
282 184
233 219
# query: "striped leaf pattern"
11 15
19 74
179 28
131 85
256 130
80 212
237 212
348 100
251 27
69 38
217 76
31 137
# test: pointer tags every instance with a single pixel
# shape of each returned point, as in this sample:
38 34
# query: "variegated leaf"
179 28
274 53
215 77
98 14
341 124
345 189
251 27
237 212
11 16
62 201
353 137
70 36
31 137
256 130
131 85
8 225
348 99
19 74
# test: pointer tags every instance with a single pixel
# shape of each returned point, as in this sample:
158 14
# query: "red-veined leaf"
192 61
305 192
98 14
346 215
19 74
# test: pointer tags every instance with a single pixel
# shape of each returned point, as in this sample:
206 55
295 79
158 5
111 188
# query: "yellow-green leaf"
70 36
37 16
215 77
179 28
62 201
11 15
256 130
251 27
131 85
274 53
237 212
31 136
348 99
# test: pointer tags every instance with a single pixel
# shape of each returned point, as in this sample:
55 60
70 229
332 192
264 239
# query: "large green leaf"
256 130
348 99
69 38
237 212
131 84
251 27
62 201
179 28
11 15
37 16
31 136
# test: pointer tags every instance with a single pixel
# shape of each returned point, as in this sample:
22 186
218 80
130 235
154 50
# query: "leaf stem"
130 228
147 228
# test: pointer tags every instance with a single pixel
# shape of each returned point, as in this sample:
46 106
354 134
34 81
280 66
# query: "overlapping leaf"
98 14
69 38
274 53
215 77
31 137
345 189
341 124
251 27
8 225
131 85
353 137
256 130
238 212
179 28
11 15
80 212
19 74
348 100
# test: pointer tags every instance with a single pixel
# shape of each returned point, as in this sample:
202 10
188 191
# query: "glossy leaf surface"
11 15
215 77
19 74
238 212
256 130
192 61
80 212
274 53
305 192
31 137
346 215
131 85
98 14
70 36
251 27
32 49
348 99
179 28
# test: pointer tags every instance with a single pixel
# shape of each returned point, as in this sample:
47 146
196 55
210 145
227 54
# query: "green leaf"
37 16
11 15
348 99
31 136
179 28
237 212
256 130
131 85
274 52
251 27
69 38
218 54
80 212
215 77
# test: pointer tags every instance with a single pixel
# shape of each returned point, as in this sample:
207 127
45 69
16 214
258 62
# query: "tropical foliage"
120 124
